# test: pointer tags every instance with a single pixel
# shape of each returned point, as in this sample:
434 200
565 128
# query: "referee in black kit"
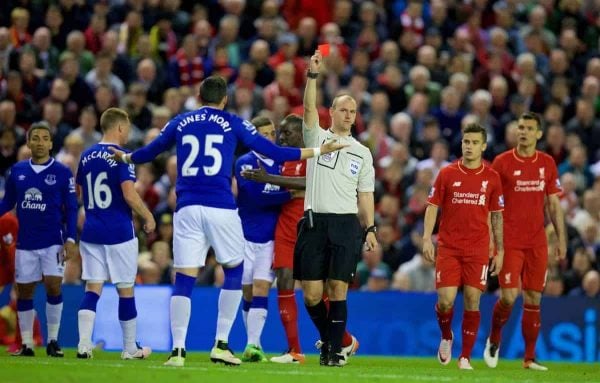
339 189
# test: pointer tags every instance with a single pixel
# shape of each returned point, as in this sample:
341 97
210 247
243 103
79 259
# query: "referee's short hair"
213 90
476 128
533 116
339 97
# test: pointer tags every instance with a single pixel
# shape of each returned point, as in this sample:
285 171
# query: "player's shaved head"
340 98
113 117
292 121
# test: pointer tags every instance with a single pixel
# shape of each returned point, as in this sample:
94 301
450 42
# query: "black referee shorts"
330 250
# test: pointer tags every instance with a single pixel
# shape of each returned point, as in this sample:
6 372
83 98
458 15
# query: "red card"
324 49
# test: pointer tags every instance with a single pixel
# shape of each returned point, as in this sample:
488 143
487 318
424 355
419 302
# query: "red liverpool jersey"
292 210
526 181
465 197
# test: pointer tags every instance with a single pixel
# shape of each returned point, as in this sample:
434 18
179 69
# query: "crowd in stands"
419 70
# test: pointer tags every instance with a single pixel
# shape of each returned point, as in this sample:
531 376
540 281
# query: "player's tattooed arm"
498 230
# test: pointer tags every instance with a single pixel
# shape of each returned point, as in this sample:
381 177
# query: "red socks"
499 319
445 322
530 327
288 311
470 326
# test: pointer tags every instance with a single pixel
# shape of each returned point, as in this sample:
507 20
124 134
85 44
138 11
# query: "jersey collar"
40 168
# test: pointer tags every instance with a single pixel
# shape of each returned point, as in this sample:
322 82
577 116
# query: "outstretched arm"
261 175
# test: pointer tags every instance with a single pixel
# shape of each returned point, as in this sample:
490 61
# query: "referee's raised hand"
315 62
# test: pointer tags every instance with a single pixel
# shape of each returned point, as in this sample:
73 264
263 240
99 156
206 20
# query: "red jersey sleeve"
436 194
496 195
554 186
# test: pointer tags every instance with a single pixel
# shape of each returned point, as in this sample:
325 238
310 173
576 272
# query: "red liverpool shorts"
526 266
455 268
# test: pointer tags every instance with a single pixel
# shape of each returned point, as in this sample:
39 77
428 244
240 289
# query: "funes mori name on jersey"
99 154
462 198
217 119
530 185
32 200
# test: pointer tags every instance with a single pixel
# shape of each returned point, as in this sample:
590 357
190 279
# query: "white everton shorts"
258 258
116 263
196 228
32 265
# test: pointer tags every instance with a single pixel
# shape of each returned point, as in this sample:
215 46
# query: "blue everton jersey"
206 139
258 203
46 203
108 218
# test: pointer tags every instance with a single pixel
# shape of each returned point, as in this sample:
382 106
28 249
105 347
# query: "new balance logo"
507 278
457 184
438 277
517 173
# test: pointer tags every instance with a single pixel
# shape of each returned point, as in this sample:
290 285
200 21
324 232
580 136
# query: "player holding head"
206 213
467 191
529 177
44 192
109 247
259 206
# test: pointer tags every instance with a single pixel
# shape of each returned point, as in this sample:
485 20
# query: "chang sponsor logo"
33 200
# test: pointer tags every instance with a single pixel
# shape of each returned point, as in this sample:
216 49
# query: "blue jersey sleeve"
247 133
10 196
255 191
126 173
164 141
70 203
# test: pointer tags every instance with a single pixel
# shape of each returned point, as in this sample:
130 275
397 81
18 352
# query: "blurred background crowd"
419 70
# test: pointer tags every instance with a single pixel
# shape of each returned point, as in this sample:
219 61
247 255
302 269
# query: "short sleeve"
436 193
553 186
126 173
496 196
311 135
366 180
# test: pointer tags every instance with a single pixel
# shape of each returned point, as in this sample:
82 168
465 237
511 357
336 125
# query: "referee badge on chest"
353 167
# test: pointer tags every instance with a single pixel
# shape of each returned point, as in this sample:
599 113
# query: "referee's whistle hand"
371 241
332 146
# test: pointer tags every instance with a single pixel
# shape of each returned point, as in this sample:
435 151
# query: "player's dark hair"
476 128
42 125
213 90
111 117
533 116
260 121
293 121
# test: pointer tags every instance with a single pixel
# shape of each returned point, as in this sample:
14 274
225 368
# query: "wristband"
312 75
316 152
371 229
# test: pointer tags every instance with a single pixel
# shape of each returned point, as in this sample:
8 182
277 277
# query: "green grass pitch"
107 367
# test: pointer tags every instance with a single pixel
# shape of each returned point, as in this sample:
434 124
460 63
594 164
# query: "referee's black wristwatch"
371 229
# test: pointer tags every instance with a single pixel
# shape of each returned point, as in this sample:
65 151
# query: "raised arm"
311 117
557 217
